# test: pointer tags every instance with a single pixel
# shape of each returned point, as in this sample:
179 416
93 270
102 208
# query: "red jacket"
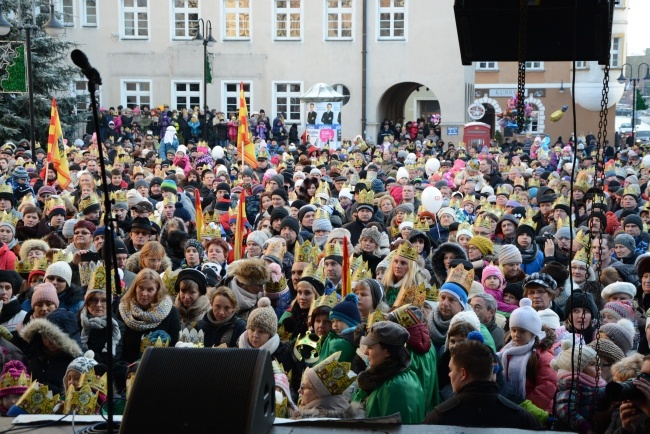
542 392
7 258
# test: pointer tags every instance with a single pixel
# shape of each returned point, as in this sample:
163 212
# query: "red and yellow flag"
244 145
240 229
56 150
199 213
346 277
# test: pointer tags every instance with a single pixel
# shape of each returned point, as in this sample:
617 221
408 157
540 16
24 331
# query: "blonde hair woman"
403 271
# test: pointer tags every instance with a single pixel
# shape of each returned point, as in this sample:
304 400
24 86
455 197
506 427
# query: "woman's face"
6 291
153 262
257 337
400 267
306 391
266 202
189 296
253 249
579 273
418 243
365 298
473 253
368 245
192 256
311 191
97 304
216 254
145 293
323 325
30 220
5 234
222 308
577 319
43 308
520 336
446 261
59 283
620 250
376 354
540 297
35 254
304 296
386 207
463 240
191 177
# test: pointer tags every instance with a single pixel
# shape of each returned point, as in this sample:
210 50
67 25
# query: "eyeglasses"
55 279
83 233
96 300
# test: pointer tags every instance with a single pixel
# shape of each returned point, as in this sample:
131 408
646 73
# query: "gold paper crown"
469 199
306 342
583 238
6 188
414 295
38 399
118 196
333 249
583 256
330 300
155 218
355 262
532 182
96 383
210 230
631 189
462 277
88 201
26 266
123 159
323 188
169 279
405 316
9 218
367 197
422 225
193 337
515 197
61 255
334 374
528 222
405 250
520 181
275 287
98 280
275 248
582 185
374 317
432 293
561 223
455 202
170 200
158 161
362 272
263 153
305 252
292 196
321 214
483 222
82 401
138 169
561 200
314 272
211 216
502 190
8 380
28 199
146 343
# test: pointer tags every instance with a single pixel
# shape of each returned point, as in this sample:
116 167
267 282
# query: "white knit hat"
526 317
60 269
402 173
68 228
446 210
83 364
549 318
564 359
464 231
468 316
258 237
618 288
509 254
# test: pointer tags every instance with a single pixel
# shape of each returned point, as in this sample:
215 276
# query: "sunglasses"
55 279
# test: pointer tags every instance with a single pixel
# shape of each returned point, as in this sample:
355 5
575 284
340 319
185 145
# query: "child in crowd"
493 283
345 318
14 381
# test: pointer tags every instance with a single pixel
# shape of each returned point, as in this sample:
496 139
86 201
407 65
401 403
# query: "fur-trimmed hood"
354 411
44 327
250 271
133 263
29 245
438 256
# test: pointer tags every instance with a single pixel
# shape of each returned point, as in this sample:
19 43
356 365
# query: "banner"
56 150
324 124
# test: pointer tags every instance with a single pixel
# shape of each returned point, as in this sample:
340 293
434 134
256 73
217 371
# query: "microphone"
81 60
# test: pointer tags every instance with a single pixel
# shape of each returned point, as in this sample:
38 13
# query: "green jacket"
487 337
401 394
391 295
425 367
333 343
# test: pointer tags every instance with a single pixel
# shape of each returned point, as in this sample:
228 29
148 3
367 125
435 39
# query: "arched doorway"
407 101
489 117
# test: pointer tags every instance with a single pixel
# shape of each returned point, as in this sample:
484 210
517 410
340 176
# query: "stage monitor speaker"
488 30
196 390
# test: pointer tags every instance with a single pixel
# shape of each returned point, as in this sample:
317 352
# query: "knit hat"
376 291
457 291
169 185
45 292
304 210
619 309
541 279
11 372
549 318
565 232
406 208
60 269
618 288
446 210
468 231
607 350
83 364
68 228
570 356
484 244
583 300
278 214
20 173
621 333
514 289
292 223
264 317
141 183
347 311
193 275
133 197
635 220
338 234
258 237
526 317
626 240
181 212
197 245
85 224
509 254
13 278
321 224
492 270
46 189
280 192
372 233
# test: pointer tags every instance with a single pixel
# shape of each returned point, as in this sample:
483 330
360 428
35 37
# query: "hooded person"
345 317
246 278
441 259
12 313
192 302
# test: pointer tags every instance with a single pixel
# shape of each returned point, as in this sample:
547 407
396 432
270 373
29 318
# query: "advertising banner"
324 124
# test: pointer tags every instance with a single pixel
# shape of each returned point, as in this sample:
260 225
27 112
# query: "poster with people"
324 124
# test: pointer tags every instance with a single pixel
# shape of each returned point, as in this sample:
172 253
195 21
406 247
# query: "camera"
624 391
542 239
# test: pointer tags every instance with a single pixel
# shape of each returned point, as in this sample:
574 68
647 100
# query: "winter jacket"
72 299
423 363
7 258
12 314
133 263
576 401
478 404
227 333
164 147
353 411
132 338
355 227
333 343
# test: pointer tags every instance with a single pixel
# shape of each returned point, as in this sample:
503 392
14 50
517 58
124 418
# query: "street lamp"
208 40
52 27
622 79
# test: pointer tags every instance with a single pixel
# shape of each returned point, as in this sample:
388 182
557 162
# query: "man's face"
296 272
485 167
546 208
632 230
288 234
628 202
92 166
508 228
408 192
208 178
3 164
155 189
480 309
364 215
333 270
559 214
120 213
445 192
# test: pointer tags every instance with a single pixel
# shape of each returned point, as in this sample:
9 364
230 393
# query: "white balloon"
646 161
432 166
432 199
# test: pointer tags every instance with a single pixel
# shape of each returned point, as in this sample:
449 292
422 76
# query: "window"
392 19
533 126
136 93
186 94
288 21
81 95
231 96
581 64
339 20
67 11
487 66
135 19
89 13
287 100
616 53
343 90
237 15
186 18
535 66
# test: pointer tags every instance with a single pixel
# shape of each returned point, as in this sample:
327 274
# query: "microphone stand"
110 256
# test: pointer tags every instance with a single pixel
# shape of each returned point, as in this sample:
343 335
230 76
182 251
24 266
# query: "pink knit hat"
622 309
11 372
492 270
45 292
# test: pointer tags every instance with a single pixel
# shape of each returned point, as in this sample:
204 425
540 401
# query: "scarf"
245 300
271 345
373 377
89 323
211 319
529 255
169 137
514 360
328 403
191 315
141 320
438 328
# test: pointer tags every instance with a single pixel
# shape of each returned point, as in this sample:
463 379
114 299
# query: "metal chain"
521 70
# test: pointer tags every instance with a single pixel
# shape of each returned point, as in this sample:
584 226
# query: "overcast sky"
638 36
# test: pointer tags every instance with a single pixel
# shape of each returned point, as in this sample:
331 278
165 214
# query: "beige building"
403 62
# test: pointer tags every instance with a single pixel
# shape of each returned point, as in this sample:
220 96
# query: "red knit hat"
12 376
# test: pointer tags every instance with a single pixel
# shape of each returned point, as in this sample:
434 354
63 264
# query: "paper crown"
362 272
193 337
334 374
520 181
61 255
528 222
321 214
170 200
8 381
405 316
155 218
562 200
210 230
333 249
306 348
407 251
210 217
502 190
561 223
118 196
9 218
306 252
96 383
330 300
263 153
169 279
414 295
323 188
532 182
28 199
461 276
374 317
138 169
583 238
81 401
367 197
433 293
86 270
582 185
355 262
88 201
483 222
99 277
469 199
313 271
123 159
276 287
6 188
38 399
583 256
26 266
455 202
632 190
159 341
275 248
422 225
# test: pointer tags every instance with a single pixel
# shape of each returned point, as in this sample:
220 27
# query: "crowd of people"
517 298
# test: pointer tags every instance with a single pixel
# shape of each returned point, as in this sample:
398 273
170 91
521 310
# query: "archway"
489 117
393 103
538 124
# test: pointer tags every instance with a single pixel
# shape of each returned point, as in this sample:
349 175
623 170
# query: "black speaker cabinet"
488 30
200 390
